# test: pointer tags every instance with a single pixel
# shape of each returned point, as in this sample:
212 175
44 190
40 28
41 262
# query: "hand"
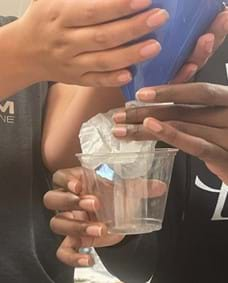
77 218
205 48
84 42
201 131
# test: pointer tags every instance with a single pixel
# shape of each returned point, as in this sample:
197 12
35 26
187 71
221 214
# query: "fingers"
205 48
139 132
69 179
201 54
208 116
210 134
65 224
68 253
119 58
108 79
61 200
195 146
132 132
114 34
185 73
97 11
136 115
220 28
193 93
155 188
66 201
90 238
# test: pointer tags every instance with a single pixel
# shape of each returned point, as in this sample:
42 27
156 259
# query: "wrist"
23 52
17 70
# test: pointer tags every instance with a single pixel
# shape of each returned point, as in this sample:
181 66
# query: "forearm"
17 69
68 108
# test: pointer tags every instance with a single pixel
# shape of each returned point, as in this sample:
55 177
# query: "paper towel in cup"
96 138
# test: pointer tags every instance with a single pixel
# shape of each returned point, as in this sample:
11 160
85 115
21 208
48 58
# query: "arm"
75 43
68 107
16 72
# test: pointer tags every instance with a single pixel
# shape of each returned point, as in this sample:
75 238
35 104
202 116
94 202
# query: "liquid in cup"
188 20
132 188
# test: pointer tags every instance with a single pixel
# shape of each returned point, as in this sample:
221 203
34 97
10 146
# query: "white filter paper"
96 138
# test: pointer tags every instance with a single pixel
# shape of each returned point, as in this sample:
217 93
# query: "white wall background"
13 7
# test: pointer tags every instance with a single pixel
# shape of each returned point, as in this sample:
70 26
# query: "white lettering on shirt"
222 197
7 112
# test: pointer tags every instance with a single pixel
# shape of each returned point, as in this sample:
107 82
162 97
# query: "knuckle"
59 254
207 92
57 174
102 37
132 115
76 228
173 136
203 150
102 63
90 12
71 200
52 225
134 132
46 199
176 125
134 29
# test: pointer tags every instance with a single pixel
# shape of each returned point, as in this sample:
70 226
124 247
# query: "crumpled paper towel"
96 138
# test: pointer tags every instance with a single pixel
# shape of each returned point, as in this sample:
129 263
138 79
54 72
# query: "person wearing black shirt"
192 246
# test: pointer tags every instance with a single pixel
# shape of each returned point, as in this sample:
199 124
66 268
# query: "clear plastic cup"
132 188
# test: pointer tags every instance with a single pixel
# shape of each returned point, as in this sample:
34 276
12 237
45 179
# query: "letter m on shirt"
7 107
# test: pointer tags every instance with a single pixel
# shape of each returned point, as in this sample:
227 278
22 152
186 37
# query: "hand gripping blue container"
188 20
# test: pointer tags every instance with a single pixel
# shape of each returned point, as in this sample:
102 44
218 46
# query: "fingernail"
120 117
119 131
153 125
155 18
83 262
124 77
151 49
139 4
88 204
94 231
74 187
146 95
209 46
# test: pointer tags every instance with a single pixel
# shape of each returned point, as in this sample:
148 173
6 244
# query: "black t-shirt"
192 247
27 245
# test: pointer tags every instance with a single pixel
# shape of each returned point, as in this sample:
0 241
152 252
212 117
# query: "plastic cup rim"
157 151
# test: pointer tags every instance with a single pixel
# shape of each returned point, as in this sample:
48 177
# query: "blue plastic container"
188 20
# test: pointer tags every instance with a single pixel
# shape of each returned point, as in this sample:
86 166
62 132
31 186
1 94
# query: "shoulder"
6 20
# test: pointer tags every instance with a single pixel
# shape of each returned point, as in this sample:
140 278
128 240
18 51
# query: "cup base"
146 225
